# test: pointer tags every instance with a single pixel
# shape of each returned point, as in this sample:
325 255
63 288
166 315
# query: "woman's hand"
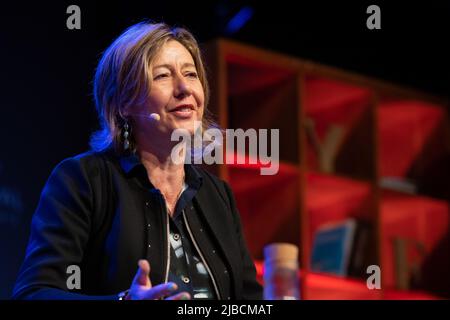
142 289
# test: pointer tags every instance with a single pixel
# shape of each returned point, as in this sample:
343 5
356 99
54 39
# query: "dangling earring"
126 133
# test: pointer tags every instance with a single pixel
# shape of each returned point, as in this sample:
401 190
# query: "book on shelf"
341 248
398 184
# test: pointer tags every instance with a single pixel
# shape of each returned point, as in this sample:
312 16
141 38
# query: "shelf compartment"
414 145
262 93
268 205
331 199
340 115
424 223
274 107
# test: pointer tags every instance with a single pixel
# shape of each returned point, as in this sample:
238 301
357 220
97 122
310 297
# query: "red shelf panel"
268 205
246 178
326 287
404 129
332 102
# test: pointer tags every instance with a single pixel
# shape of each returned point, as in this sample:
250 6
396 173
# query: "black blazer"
96 213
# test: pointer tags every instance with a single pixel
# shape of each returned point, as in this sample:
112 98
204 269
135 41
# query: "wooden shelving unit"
379 136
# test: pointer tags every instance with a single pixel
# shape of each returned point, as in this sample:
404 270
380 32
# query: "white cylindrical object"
282 254
281 272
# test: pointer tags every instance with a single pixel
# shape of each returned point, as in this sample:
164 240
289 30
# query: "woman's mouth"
183 111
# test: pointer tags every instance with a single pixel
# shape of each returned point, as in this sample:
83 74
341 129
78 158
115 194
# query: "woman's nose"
182 88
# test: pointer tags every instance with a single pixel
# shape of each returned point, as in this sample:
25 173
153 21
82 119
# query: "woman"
128 202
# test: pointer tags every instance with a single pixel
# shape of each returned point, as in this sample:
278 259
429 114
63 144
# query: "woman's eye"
192 74
160 76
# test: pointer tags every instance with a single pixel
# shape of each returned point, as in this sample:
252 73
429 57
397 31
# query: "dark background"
46 71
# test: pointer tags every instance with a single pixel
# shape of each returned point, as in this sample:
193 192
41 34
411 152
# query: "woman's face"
176 93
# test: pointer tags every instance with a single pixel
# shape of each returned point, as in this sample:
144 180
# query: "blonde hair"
123 78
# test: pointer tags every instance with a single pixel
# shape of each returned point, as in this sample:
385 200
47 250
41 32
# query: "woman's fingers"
159 291
141 288
142 275
180 296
